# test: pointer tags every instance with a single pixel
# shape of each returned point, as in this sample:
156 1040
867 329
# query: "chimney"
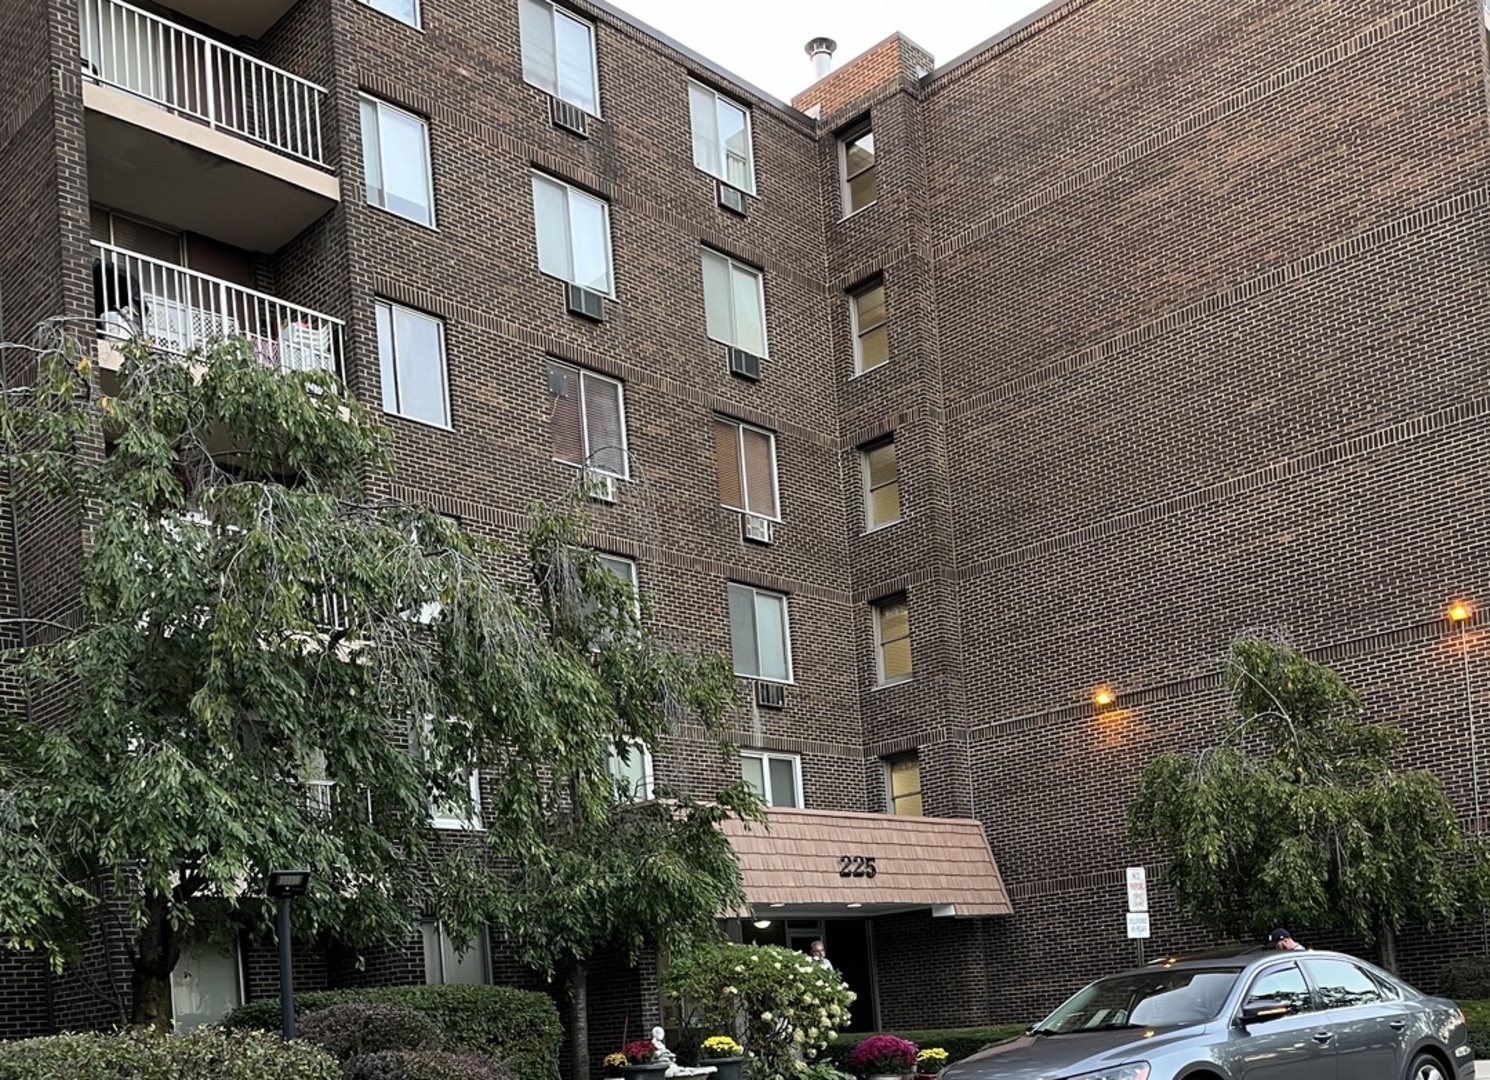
821 49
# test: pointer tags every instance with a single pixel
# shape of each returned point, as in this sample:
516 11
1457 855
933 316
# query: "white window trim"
765 757
786 634
613 761
888 763
429 161
583 375
610 254
855 132
853 317
734 266
878 609
417 24
447 821
237 964
449 424
740 428
631 579
723 174
482 942
562 13
868 491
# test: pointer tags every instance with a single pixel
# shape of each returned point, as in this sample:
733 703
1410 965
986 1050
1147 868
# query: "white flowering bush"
783 1007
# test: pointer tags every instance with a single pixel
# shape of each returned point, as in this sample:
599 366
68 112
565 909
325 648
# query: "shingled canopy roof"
819 862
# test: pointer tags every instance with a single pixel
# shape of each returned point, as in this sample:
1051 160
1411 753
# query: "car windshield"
1143 999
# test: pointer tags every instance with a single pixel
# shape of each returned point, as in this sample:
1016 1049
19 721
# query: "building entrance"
848 945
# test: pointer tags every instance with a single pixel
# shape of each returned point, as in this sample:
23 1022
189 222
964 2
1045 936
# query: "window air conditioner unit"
770 695
602 486
755 528
731 198
586 303
745 365
569 117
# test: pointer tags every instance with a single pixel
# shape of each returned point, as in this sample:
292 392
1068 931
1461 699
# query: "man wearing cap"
1282 940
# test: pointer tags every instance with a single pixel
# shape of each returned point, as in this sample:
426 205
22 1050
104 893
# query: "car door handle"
1323 1036
1397 1025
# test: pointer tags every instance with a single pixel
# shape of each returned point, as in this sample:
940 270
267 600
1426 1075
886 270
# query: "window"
402 10
206 984
903 783
734 303
445 965
630 764
777 778
1342 984
745 464
721 138
559 54
587 420
411 352
758 634
892 640
881 484
871 335
450 815
395 161
856 169
573 234
624 569
1284 984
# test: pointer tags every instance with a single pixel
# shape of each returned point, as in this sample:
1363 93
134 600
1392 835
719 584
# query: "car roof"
1234 958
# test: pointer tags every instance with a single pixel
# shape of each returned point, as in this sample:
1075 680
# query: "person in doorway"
819 954
1282 940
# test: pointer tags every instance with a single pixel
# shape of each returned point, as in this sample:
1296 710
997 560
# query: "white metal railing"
194 76
179 310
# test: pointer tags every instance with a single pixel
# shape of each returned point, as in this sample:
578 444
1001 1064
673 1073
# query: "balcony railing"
194 76
179 310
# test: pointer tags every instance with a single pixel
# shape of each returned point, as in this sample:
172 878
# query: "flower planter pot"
726 1068
652 1070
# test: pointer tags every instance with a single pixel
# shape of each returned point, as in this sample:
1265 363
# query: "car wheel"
1425 1067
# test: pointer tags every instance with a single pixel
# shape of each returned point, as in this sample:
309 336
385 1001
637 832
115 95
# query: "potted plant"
642 1062
613 1064
882 1056
931 1061
724 1054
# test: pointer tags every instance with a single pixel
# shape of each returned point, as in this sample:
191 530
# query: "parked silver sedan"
1258 1016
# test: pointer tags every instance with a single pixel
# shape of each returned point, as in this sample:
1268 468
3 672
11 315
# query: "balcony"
178 310
185 130
238 18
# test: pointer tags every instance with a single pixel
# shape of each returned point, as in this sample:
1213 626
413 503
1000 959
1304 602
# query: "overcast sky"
761 40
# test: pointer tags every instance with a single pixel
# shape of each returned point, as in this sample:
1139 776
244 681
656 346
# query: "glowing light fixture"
1459 612
1103 696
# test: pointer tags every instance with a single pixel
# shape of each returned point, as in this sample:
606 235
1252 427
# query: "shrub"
932 1059
1477 1019
422 1065
720 1046
882 1055
348 1031
204 1054
518 1028
1467 979
958 1042
783 1006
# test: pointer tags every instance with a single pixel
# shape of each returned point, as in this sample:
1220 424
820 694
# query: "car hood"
1045 1057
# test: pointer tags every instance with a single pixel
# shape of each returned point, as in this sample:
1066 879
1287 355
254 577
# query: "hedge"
516 1028
957 1042
204 1054
422 1065
348 1031
1477 1019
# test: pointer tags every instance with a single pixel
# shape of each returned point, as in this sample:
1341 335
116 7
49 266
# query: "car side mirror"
1262 1010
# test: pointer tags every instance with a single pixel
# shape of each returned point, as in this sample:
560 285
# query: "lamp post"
284 886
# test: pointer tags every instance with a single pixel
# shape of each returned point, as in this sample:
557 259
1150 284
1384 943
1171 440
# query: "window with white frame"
630 765
721 137
903 784
881 476
892 640
445 965
451 814
587 419
395 161
745 468
760 639
402 10
559 54
734 303
623 570
206 984
858 180
411 354
573 234
866 308
776 778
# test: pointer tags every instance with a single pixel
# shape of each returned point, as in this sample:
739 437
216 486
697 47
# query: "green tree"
254 615
1297 815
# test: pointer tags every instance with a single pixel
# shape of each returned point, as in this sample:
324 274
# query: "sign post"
1138 907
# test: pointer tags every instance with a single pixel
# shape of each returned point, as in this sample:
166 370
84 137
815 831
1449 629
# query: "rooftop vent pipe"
821 49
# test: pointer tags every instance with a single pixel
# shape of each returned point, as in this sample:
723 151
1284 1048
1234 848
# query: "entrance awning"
828 862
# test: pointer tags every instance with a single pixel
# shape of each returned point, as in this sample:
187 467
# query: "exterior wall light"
1459 612
1103 697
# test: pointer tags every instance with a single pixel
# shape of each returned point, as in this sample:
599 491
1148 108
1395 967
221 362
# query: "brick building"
938 396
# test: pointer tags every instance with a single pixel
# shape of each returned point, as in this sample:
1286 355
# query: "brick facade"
1187 304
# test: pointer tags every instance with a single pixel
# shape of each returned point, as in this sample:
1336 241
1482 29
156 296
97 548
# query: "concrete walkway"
1482 1070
